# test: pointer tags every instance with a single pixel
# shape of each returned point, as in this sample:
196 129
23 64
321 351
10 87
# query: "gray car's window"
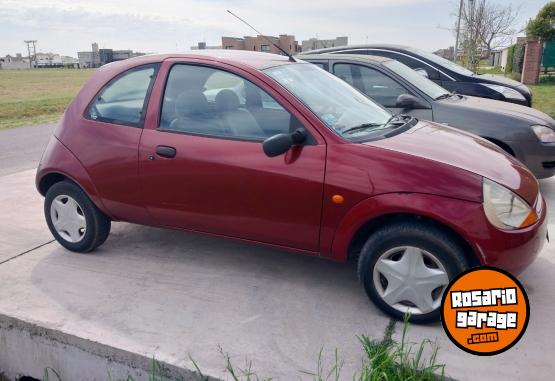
123 100
409 61
373 83
208 101
430 88
443 62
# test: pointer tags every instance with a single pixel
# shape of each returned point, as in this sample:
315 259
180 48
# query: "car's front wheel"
405 267
73 219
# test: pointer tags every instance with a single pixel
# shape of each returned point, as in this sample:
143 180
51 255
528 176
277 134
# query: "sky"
156 26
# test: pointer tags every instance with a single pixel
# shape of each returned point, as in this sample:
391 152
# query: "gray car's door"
380 87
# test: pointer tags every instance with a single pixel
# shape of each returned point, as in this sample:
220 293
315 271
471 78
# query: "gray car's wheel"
75 222
405 267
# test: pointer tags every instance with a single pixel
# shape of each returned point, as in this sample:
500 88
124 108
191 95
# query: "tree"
543 26
487 26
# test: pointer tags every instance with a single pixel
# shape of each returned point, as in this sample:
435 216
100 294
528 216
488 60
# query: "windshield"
443 62
337 104
420 82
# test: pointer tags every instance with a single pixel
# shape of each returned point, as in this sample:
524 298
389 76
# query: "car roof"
256 60
360 46
352 57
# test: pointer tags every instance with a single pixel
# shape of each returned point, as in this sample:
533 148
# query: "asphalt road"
21 148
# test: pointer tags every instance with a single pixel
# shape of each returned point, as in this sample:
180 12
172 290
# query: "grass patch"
37 96
543 98
391 361
490 70
387 360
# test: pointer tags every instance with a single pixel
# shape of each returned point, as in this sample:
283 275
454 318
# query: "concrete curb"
27 349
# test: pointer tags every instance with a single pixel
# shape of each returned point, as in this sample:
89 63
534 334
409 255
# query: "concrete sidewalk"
170 294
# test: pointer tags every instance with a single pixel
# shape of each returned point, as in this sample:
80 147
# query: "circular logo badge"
485 311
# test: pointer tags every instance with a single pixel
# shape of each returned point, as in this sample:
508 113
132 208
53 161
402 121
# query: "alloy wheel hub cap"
68 218
410 279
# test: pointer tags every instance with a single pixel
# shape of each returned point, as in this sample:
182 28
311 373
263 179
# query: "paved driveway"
174 294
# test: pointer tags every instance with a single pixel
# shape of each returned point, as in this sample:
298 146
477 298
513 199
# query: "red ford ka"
261 148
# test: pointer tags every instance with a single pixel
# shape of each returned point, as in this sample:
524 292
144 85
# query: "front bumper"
514 250
538 157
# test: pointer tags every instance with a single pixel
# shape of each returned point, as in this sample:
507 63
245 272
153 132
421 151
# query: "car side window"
344 72
208 101
373 83
123 100
414 64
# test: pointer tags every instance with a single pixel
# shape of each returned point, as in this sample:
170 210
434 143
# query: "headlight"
544 134
506 91
504 209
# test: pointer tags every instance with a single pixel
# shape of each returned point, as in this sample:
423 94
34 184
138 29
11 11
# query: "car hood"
504 81
528 114
459 149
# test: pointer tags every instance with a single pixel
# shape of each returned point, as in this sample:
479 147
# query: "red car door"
202 166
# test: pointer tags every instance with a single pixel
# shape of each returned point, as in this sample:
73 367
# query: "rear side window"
409 61
124 99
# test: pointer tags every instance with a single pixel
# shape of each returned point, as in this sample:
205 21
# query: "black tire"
423 236
97 223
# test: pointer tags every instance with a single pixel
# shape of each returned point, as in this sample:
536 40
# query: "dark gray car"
524 132
445 73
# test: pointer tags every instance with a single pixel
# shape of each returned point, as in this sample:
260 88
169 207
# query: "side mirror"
422 72
281 143
409 102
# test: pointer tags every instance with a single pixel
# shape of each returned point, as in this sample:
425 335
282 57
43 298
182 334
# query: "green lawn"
543 98
490 70
37 96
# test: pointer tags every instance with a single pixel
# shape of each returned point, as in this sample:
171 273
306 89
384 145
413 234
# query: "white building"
48 60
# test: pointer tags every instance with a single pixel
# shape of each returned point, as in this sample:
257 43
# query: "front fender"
58 159
466 218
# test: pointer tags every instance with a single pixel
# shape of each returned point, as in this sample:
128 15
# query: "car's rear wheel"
405 267
73 219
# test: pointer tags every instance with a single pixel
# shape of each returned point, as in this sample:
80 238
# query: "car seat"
238 121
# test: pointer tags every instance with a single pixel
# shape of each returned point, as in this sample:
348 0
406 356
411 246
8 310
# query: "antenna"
266 38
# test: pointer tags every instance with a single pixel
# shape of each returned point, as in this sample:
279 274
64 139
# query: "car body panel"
461 150
58 159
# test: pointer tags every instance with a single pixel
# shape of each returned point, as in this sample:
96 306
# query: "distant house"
314 43
202 46
48 60
263 43
98 57
446 53
10 62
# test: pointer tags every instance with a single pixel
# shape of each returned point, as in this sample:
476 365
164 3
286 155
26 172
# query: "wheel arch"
49 179
447 214
371 226
59 164
504 146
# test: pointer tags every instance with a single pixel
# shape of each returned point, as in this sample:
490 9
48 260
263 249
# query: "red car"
264 149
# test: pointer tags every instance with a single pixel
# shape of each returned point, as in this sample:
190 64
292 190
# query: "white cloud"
67 26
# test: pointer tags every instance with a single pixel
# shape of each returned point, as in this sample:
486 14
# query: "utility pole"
456 49
472 55
28 42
